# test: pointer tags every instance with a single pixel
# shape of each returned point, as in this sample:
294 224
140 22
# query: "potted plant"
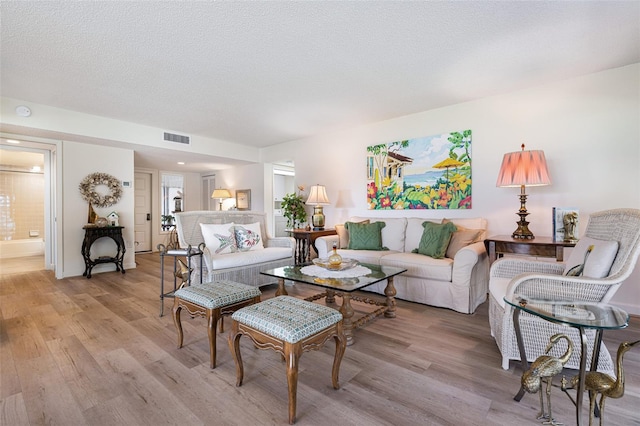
167 219
293 209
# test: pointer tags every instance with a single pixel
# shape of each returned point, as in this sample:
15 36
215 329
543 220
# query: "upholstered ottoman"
289 326
212 301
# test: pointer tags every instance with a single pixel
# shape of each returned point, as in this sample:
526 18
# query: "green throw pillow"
435 239
365 236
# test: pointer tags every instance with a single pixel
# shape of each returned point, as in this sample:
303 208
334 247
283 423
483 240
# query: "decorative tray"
346 264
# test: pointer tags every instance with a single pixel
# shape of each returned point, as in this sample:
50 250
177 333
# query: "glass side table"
579 315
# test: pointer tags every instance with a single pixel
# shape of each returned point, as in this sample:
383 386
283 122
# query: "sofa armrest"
280 242
470 277
465 260
324 245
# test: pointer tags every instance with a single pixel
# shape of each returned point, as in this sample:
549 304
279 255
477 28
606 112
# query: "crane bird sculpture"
544 368
599 383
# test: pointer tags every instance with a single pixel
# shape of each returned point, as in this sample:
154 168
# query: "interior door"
142 213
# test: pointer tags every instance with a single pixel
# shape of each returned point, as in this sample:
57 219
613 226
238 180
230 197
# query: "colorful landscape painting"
432 172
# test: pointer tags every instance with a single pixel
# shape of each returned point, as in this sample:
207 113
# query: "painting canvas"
431 172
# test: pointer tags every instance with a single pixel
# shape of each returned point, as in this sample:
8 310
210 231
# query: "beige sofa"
459 283
243 267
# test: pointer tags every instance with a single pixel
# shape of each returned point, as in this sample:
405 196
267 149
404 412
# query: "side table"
93 233
579 315
540 246
188 253
304 240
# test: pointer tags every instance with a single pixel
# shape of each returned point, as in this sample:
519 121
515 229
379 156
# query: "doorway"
142 211
27 188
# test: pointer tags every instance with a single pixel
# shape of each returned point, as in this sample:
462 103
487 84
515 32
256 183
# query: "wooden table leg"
347 313
281 291
390 292
330 297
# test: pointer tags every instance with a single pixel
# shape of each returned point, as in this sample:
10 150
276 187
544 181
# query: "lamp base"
318 218
523 232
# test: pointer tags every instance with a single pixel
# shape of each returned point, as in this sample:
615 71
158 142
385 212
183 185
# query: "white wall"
587 126
79 160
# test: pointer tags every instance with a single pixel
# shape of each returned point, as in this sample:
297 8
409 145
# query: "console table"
304 240
540 246
579 315
93 233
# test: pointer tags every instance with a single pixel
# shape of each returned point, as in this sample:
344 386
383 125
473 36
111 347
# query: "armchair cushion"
435 239
365 236
597 263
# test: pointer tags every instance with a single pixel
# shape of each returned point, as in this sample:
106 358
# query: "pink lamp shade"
523 168
528 168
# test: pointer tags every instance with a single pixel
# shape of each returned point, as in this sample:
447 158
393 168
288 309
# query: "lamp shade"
524 168
318 196
221 193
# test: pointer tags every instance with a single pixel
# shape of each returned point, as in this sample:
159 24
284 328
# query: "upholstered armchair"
614 231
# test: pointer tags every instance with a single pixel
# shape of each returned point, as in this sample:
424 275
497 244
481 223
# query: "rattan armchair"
544 280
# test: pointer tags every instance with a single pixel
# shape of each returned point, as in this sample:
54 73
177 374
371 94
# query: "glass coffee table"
345 288
579 315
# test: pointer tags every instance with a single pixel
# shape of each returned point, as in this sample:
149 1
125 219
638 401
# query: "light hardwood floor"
95 352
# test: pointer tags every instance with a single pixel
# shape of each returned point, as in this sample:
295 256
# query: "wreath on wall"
89 194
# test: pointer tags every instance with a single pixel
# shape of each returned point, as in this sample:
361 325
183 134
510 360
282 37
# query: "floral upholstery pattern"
287 318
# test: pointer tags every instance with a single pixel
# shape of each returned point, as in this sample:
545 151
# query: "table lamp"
318 198
523 168
222 194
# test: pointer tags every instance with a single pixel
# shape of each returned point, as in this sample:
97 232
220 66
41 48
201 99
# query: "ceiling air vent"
172 137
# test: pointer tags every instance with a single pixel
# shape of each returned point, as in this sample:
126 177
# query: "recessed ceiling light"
180 162
13 141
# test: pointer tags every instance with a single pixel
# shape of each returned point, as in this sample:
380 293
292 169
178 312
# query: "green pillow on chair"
365 236
435 239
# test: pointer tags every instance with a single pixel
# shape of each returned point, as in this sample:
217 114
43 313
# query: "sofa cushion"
343 234
252 257
599 261
414 232
421 266
462 238
248 237
393 234
219 239
365 256
365 236
435 239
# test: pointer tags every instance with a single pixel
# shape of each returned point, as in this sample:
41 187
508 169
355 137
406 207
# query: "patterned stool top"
288 318
217 294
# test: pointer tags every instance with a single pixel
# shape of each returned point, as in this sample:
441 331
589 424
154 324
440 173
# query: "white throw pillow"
248 237
220 239
598 262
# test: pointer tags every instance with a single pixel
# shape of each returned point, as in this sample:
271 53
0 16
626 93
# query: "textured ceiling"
262 73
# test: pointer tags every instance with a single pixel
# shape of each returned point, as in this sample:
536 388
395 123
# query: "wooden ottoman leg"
213 316
292 355
176 320
341 345
234 345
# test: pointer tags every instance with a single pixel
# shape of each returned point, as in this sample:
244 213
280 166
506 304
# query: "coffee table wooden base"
386 308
